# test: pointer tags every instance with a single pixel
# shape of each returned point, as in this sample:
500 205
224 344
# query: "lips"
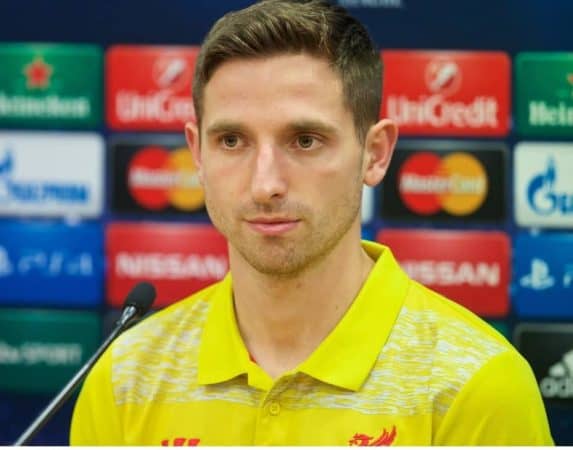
273 226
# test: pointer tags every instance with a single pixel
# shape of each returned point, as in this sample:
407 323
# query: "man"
314 338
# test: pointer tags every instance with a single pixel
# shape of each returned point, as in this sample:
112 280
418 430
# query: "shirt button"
274 409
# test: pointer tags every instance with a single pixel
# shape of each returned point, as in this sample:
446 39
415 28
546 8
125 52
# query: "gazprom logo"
37 191
542 196
6 165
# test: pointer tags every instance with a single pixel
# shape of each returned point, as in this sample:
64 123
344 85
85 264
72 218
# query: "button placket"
269 425
274 408
273 403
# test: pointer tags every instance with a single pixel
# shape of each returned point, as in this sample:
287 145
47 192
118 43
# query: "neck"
283 320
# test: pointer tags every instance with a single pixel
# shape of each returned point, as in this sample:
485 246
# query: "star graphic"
570 80
38 74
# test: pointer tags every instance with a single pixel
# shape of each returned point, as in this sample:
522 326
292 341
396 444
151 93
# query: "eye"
230 140
305 141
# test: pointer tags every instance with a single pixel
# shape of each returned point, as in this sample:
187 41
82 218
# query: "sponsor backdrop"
446 182
154 174
98 189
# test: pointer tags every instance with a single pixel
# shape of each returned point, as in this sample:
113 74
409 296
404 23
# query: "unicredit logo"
436 111
172 72
456 183
159 94
447 92
160 106
158 178
443 79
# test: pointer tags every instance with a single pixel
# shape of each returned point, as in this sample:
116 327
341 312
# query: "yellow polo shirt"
404 366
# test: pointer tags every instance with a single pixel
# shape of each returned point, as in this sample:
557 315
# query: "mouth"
273 226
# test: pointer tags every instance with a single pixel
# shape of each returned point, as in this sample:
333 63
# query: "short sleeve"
95 420
500 405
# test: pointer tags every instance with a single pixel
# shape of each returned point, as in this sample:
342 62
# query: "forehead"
278 85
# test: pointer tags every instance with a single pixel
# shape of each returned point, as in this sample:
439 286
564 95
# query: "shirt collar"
348 353
222 353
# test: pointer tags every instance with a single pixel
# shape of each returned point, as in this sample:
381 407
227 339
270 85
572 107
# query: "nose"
268 183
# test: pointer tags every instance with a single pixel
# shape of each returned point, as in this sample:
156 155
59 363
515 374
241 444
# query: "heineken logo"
48 107
38 74
38 78
43 84
558 113
544 94
550 114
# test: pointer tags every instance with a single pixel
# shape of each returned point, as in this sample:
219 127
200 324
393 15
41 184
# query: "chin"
278 271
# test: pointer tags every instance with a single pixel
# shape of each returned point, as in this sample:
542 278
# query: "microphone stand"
126 319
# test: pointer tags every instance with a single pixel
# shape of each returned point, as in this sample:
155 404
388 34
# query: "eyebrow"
224 127
297 126
307 125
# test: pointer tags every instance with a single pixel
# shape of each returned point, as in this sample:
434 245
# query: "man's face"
280 161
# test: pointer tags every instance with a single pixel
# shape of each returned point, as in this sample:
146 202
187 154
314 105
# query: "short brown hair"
316 27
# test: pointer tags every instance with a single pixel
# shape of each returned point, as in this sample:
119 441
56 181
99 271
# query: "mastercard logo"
456 183
158 178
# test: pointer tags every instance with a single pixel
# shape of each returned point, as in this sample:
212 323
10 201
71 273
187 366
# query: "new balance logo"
180 442
559 383
384 440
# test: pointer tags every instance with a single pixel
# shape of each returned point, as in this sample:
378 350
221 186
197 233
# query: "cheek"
330 189
339 174
218 177
222 187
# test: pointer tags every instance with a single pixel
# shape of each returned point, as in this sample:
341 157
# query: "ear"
379 147
192 137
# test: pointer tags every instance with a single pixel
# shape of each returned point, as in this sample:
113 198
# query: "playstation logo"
539 278
6 267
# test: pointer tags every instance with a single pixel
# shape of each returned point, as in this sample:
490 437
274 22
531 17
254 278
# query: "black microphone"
136 305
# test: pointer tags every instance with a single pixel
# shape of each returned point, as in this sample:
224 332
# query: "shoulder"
164 344
449 321
456 342
499 405
162 326
477 379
